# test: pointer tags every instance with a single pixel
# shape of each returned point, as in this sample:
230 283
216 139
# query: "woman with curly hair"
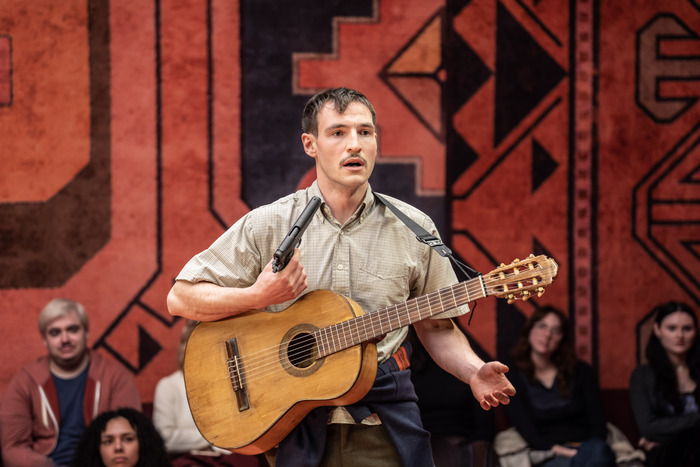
665 393
558 409
123 437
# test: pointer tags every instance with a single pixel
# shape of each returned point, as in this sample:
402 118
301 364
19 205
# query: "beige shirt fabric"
374 258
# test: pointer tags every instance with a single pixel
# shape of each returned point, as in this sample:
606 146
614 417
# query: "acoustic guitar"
252 378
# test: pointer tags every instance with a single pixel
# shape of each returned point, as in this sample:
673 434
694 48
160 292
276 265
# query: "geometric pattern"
56 209
504 117
520 126
667 214
416 75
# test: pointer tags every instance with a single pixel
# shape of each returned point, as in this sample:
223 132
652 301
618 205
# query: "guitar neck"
369 326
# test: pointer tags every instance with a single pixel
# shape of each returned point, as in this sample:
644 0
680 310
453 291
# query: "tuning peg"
502 265
511 298
525 295
540 291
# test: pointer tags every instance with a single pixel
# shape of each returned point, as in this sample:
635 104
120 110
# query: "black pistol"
286 249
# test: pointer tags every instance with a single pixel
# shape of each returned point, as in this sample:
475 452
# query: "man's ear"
309 142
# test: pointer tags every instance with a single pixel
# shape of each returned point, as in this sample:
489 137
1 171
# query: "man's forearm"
204 301
449 347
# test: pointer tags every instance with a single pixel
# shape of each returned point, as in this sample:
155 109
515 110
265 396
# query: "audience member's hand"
490 385
647 445
564 451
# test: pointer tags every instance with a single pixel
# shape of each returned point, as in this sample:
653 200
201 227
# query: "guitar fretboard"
355 331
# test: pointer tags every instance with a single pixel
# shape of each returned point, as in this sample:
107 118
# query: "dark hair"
564 357
151 447
664 371
340 97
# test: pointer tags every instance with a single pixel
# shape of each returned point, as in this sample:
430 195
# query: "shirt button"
340 267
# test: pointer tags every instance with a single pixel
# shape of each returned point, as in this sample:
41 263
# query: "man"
49 402
356 247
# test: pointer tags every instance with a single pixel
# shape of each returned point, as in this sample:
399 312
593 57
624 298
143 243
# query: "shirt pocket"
384 284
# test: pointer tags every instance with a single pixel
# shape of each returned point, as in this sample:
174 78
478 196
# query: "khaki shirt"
374 258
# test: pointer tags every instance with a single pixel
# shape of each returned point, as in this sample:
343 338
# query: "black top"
544 418
656 419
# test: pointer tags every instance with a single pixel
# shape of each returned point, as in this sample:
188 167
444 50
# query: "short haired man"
49 402
356 248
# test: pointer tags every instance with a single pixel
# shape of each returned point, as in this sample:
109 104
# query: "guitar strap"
422 235
426 237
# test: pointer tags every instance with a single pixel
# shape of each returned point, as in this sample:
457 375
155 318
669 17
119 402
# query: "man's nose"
353 141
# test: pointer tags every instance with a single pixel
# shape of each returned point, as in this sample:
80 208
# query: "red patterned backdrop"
133 133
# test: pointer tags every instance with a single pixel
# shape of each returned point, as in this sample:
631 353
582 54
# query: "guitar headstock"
521 278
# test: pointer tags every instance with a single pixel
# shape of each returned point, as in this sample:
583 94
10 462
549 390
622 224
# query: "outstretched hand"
490 385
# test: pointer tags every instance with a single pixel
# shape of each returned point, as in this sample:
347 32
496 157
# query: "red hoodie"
29 413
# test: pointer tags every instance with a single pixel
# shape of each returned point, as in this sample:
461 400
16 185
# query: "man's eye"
54 332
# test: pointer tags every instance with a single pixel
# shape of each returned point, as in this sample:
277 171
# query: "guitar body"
252 378
282 381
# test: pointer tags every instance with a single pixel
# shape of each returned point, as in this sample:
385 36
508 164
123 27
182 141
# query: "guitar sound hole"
302 350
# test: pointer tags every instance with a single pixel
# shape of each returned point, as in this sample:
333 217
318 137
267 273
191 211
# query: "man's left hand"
490 385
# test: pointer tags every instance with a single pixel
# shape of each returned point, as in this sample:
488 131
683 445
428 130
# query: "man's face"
66 341
345 148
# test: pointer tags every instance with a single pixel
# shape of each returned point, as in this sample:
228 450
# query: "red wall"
531 126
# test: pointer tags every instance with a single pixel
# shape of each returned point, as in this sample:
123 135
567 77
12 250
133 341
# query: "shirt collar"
360 213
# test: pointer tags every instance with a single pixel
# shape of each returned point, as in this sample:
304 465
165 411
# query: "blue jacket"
392 398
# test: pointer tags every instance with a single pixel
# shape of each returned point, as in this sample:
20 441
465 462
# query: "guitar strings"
259 363
264 354
262 357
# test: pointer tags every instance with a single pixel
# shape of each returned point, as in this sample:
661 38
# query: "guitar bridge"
237 375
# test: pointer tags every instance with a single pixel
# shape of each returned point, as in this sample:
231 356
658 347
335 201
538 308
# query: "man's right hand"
273 288
205 301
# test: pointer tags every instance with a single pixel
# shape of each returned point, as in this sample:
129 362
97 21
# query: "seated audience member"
49 402
664 393
558 409
123 437
461 432
173 420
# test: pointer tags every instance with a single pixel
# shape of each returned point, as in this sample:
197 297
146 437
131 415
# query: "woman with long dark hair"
123 437
665 393
558 409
